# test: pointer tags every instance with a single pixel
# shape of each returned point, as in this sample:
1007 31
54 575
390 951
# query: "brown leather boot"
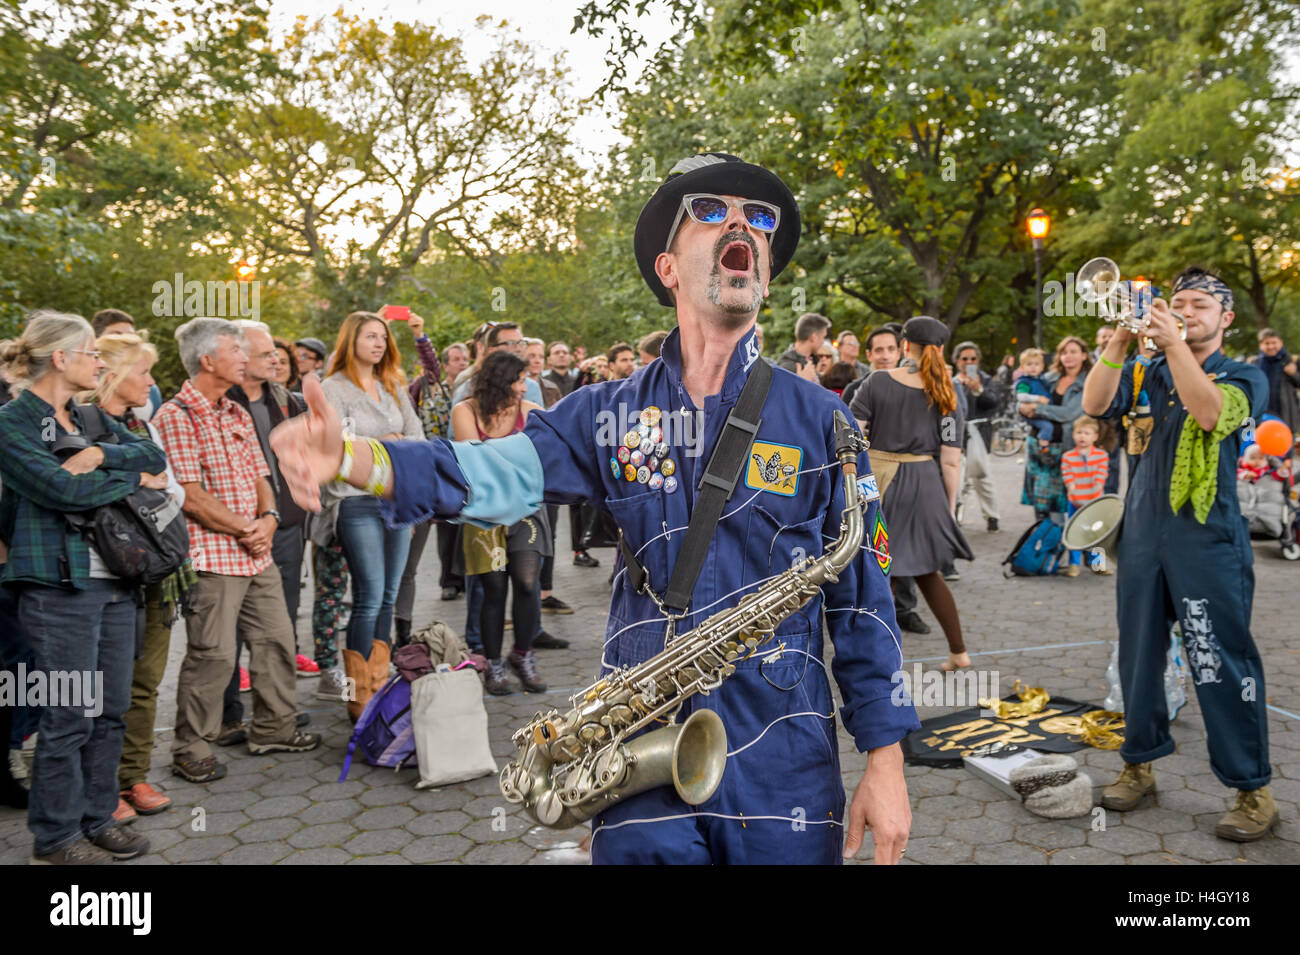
1135 781
380 653
1251 818
358 673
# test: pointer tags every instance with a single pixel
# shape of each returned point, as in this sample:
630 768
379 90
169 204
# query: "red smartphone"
397 313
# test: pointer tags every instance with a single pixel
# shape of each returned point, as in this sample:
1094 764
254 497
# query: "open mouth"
736 258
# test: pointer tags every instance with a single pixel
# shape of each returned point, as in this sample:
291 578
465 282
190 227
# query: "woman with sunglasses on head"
78 617
504 557
365 385
124 386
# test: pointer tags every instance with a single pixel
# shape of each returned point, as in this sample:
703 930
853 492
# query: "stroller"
1271 505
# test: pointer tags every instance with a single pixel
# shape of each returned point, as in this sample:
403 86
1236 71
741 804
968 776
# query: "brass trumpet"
1123 301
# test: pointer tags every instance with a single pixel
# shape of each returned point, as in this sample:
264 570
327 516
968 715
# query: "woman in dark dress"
914 424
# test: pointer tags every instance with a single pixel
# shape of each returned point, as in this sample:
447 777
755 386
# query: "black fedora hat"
721 174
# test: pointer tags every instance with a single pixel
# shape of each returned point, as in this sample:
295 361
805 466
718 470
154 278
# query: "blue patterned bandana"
1205 282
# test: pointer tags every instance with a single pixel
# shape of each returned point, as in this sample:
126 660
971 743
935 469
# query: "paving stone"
268 830
1155 858
316 857
326 834
323 792
400 793
1200 846
388 858
1126 840
937 850
262 853
294 786
277 806
237 784
213 824
235 801
199 850
978 831
499 828
377 841
437 848
1049 834
432 800
499 853
385 817
1159 820
436 823
1085 855
1009 853
337 810
950 807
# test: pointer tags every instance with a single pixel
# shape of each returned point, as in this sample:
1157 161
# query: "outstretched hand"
309 448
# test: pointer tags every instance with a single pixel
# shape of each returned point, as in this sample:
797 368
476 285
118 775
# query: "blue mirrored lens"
760 217
708 210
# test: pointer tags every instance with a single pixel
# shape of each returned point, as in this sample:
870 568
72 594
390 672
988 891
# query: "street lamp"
1038 223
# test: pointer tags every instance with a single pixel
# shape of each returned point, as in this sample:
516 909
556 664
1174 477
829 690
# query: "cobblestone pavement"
1048 632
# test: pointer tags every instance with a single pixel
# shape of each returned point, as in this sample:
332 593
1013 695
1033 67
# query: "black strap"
721 475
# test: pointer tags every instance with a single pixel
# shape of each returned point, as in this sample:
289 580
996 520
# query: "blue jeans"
376 557
74 779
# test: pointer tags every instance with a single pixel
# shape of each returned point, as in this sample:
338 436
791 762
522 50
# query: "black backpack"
141 538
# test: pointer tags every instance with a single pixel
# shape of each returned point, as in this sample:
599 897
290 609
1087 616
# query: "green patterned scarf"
1196 461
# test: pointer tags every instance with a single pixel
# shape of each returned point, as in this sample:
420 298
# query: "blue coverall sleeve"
868 652
1123 400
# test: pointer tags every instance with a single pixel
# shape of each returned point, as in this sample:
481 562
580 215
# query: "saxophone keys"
619 715
545 733
591 732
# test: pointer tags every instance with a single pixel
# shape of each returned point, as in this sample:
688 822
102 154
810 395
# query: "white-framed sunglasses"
708 209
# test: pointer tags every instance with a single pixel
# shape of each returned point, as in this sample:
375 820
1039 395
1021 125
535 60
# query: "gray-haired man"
213 449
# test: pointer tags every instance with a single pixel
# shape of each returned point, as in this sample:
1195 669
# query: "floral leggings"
330 571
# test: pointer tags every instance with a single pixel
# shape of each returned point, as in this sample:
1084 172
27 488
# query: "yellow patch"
774 467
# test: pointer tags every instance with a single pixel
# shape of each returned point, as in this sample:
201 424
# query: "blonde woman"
77 617
124 386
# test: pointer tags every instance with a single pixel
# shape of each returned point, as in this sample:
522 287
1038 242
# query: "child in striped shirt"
1084 470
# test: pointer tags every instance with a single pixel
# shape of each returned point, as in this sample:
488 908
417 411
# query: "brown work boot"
1135 781
358 673
1252 818
380 654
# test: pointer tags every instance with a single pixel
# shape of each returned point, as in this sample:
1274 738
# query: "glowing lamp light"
245 272
1038 223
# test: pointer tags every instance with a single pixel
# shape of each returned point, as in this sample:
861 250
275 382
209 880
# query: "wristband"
381 469
1109 364
345 468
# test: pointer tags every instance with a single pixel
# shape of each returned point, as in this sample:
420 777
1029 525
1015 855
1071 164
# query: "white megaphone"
1095 526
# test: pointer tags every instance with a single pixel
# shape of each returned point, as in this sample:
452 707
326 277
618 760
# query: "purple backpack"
384 734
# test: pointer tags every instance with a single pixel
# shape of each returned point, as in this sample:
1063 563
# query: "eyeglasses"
708 209
93 353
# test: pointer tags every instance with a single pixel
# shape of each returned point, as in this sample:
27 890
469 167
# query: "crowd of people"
86 426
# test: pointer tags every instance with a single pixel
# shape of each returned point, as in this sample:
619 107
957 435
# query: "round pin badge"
629 472
656 482
624 455
643 474
661 451
670 485
615 466
652 463
668 467
650 416
636 459
647 447
643 430
656 435
632 439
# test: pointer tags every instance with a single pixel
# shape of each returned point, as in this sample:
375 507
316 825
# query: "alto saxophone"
570 766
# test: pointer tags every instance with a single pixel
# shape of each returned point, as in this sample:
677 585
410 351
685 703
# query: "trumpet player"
1183 552
707 243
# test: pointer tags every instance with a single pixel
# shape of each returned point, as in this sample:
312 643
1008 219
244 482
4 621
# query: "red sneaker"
307 666
245 684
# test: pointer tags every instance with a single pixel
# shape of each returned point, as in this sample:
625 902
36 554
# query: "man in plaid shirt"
230 506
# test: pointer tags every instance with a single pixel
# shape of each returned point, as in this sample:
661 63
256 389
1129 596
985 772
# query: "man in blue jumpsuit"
1184 550
708 242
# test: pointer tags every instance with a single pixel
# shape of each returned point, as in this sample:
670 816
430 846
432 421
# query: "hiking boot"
1251 818
525 667
121 843
80 852
297 743
548 641
911 621
203 770
555 605
145 799
333 686
1135 781
1070 570
496 682
231 733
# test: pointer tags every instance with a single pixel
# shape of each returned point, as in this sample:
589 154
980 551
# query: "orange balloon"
1273 438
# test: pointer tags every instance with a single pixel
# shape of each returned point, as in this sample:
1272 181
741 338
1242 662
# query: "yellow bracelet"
380 470
345 468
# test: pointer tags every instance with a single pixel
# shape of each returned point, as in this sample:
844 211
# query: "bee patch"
774 467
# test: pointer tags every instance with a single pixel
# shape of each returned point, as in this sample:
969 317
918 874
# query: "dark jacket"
565 382
291 515
791 360
984 405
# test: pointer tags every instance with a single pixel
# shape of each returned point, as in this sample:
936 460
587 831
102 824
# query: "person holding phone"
365 385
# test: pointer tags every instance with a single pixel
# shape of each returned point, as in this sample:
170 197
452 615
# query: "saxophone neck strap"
716 487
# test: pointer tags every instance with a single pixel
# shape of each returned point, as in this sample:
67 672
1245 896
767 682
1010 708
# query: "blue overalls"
1173 568
781 799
